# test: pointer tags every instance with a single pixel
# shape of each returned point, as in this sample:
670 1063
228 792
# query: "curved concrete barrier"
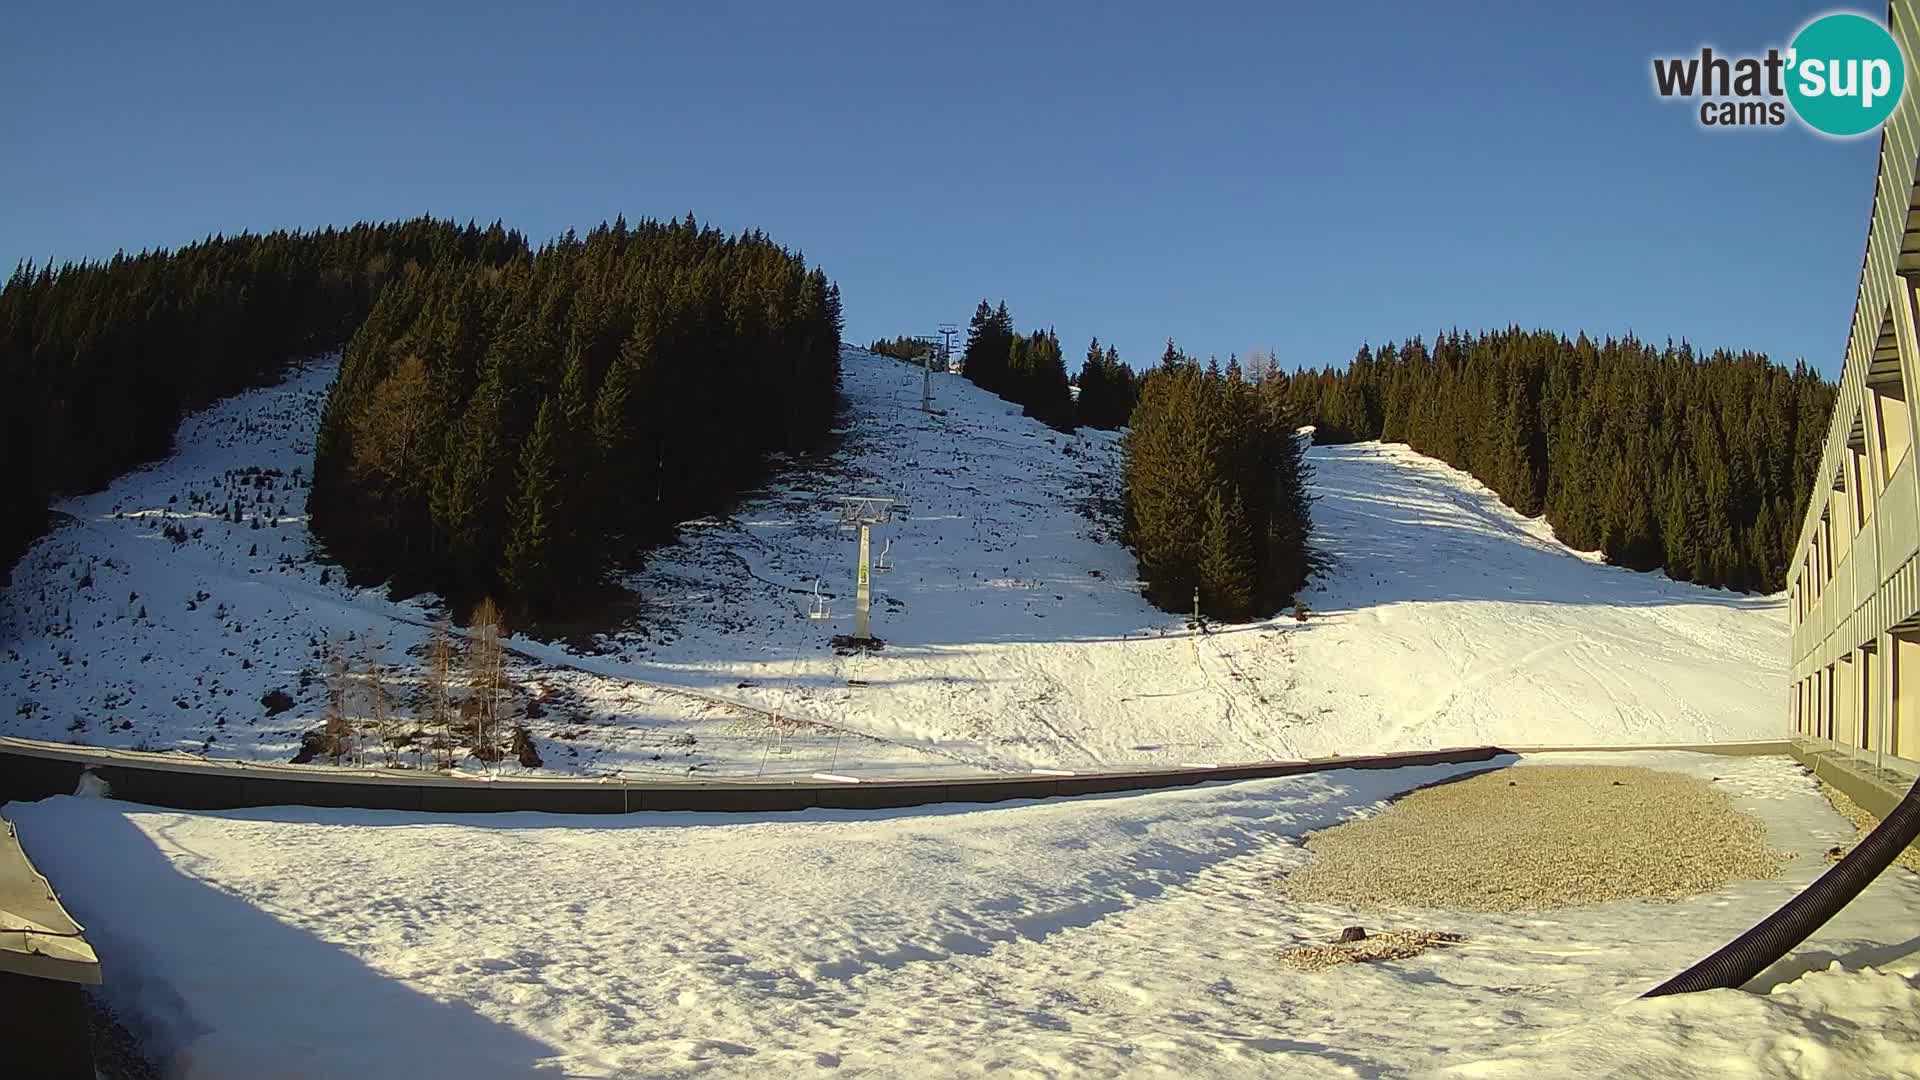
31 769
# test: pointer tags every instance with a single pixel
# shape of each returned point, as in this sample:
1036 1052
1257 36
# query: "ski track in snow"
1135 935
1016 635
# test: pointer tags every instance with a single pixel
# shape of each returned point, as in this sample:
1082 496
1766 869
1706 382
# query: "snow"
1133 935
1477 626
1827 1023
1016 635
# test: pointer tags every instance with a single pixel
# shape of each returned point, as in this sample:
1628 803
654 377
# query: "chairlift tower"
926 374
864 512
947 332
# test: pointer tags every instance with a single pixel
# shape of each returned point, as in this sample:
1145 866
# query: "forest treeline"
904 348
1658 457
1108 388
1030 371
1026 369
518 428
1215 489
99 360
1213 485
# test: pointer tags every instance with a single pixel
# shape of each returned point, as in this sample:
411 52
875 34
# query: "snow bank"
1862 1023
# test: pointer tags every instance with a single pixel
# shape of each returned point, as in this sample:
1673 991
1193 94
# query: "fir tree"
1599 435
1226 571
535 549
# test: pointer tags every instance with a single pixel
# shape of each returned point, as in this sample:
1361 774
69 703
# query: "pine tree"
535 550
1678 531
1588 432
1094 405
1124 389
1046 395
1227 582
466 490
1200 439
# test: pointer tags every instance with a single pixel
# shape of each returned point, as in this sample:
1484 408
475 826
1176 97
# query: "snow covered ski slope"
1016 636
1449 619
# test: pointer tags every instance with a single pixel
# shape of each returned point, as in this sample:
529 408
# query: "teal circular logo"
1845 74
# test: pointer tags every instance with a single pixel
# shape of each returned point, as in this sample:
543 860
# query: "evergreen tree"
989 342
1599 436
1678 532
1227 565
536 514
1044 383
1198 440
1094 403
668 361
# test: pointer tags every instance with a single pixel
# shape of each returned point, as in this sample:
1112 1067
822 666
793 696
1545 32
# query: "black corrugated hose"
1750 953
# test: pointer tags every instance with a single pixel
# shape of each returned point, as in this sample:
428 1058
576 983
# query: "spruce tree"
536 514
1226 568
1094 405
1591 433
1047 397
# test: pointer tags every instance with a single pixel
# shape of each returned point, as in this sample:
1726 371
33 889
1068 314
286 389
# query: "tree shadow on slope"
215 986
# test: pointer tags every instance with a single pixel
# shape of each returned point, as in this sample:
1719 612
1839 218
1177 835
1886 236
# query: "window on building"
1826 549
1863 707
1842 508
1892 423
1858 483
1826 702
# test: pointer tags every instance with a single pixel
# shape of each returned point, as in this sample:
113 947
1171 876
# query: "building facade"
1854 587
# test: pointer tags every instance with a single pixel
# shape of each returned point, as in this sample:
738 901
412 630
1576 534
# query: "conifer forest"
1658 457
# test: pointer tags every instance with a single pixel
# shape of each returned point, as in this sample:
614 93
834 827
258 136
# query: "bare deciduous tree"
380 715
439 702
334 725
485 675
1260 365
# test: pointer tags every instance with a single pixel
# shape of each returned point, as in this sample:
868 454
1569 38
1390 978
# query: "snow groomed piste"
1017 637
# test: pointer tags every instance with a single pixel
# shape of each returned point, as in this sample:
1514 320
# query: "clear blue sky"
1230 175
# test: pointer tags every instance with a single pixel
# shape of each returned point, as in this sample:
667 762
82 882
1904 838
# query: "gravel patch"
1535 838
1863 823
1386 945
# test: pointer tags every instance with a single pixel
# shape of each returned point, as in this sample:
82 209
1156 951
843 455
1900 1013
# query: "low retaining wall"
32 769
1875 790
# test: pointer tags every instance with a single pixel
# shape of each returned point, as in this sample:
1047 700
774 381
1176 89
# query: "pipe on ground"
1750 953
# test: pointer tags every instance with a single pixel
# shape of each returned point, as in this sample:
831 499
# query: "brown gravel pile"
1387 945
1863 823
1538 837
